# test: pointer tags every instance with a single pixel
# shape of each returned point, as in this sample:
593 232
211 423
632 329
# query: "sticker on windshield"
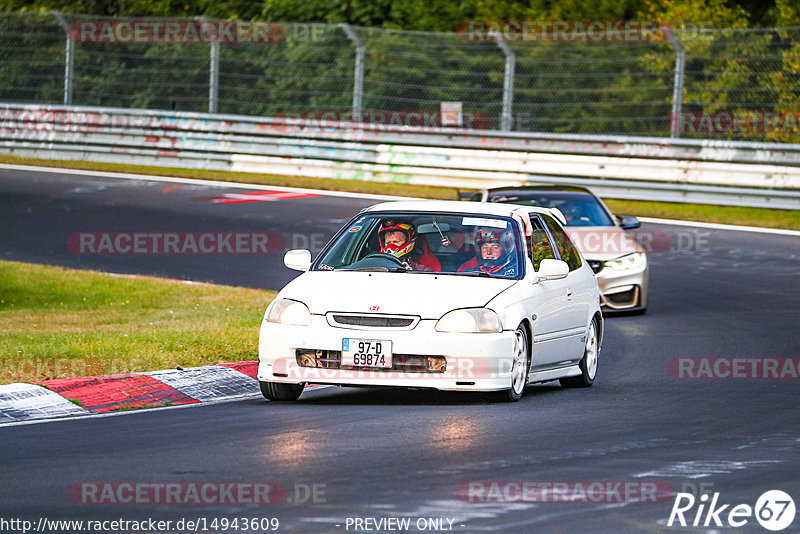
478 221
354 229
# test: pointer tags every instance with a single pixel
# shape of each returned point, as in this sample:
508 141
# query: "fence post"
69 60
508 82
213 78
358 76
213 66
677 86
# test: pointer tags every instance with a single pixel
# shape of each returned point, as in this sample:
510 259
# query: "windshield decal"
480 221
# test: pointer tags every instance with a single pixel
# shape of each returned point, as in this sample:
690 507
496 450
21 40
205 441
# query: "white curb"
23 402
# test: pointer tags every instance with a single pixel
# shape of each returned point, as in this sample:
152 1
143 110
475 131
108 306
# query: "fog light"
436 364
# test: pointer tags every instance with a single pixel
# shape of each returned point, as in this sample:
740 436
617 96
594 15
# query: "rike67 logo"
774 510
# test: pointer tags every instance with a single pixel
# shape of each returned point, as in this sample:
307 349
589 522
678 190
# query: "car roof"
539 188
454 206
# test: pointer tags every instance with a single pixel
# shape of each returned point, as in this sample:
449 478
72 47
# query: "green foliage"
582 87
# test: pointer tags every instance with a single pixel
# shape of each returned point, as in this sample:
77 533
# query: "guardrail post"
508 82
358 76
677 86
69 60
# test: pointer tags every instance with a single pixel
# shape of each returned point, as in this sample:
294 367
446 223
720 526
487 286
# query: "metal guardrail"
718 172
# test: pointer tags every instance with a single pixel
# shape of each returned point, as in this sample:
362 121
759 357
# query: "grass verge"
58 323
768 218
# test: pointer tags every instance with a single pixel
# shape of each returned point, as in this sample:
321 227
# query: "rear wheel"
588 363
519 368
276 391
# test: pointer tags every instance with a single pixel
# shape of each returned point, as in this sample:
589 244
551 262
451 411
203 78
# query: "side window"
540 244
564 244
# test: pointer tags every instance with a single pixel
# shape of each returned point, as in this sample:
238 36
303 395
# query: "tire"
588 363
519 368
276 391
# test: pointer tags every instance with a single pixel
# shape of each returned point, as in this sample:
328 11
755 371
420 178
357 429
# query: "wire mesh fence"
726 84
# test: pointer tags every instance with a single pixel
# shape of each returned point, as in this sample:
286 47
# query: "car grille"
596 265
365 321
373 320
407 363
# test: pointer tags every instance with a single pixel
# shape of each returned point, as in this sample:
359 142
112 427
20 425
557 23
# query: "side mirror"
627 222
550 269
298 259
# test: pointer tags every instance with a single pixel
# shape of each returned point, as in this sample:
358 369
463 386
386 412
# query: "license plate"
367 353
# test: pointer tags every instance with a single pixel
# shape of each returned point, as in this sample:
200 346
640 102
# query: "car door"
578 291
548 305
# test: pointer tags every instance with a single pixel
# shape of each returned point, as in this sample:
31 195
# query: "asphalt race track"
407 454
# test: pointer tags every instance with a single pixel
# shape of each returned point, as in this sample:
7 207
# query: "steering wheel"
385 256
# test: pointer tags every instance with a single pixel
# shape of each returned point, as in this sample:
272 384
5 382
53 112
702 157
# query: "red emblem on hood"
374 308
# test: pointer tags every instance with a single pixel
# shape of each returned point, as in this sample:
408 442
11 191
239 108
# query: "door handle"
569 294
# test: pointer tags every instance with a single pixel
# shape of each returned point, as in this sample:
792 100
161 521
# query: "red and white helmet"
504 238
406 228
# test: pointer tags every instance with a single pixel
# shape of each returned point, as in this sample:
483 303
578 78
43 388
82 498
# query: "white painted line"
194 181
717 226
345 194
83 414
136 411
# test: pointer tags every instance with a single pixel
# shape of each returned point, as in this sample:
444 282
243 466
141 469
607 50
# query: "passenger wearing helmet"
399 238
495 254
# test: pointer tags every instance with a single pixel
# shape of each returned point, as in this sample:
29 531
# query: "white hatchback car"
436 294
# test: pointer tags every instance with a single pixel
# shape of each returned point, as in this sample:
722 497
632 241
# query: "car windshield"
579 209
444 243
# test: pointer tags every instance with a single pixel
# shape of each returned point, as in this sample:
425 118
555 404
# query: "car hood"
604 243
427 295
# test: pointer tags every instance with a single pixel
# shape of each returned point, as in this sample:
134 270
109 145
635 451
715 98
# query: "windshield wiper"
486 275
377 270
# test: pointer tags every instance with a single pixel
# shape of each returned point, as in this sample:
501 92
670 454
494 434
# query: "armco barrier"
719 172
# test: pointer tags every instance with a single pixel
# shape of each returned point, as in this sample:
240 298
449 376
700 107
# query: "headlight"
469 320
287 311
635 260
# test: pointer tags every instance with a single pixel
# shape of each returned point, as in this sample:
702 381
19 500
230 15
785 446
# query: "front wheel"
519 368
276 391
588 363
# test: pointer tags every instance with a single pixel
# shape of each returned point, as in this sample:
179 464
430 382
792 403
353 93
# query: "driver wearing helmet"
399 238
496 254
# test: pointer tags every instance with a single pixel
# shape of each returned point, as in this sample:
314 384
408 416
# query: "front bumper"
623 290
475 362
